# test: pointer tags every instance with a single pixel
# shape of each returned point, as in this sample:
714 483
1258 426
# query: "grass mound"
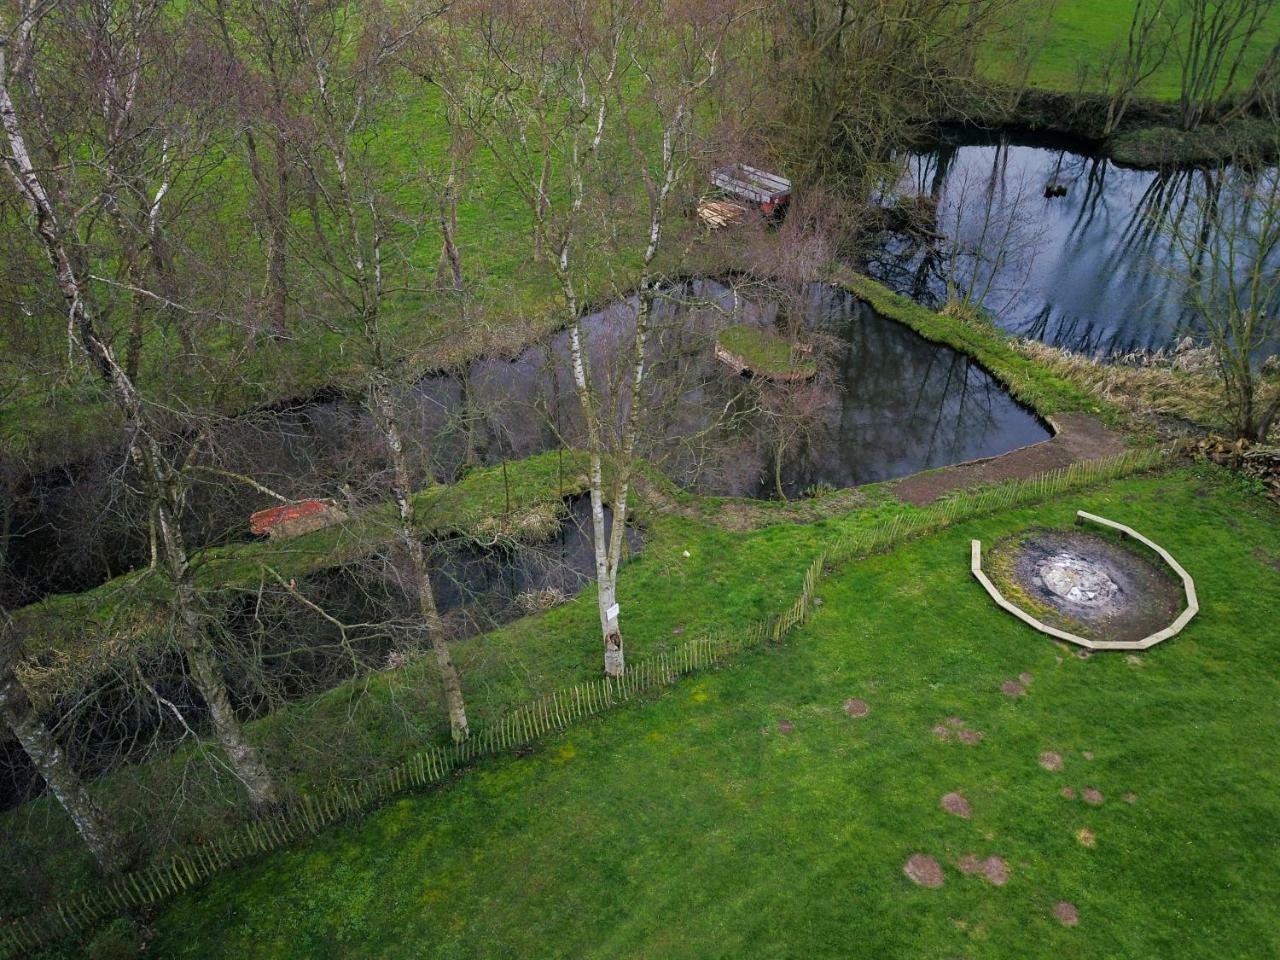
762 352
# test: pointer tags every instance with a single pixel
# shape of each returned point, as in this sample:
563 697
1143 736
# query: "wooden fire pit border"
1188 587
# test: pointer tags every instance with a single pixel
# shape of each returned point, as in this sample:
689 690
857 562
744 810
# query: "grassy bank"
1084 31
689 577
746 813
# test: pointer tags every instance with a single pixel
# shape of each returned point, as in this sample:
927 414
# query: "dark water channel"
886 403
1094 270
477 588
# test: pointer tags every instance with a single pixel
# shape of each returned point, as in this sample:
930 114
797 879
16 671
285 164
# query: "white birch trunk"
161 482
64 783
384 410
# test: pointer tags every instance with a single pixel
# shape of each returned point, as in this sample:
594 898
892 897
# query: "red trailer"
768 191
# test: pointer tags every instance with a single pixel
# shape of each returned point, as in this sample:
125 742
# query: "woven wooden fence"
548 714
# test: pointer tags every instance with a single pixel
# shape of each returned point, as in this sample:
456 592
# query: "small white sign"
612 613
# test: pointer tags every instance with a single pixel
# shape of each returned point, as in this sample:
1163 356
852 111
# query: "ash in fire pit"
1076 579
1091 585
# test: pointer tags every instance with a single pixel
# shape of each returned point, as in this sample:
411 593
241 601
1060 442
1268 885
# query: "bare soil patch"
955 803
993 868
1068 792
1051 760
1086 837
785 726
1092 796
1067 913
923 870
1012 688
956 727
996 870
855 707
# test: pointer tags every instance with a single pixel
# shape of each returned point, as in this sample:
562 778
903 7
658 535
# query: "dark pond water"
887 403
1093 270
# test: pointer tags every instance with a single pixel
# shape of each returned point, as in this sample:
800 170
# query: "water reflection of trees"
886 403
1100 286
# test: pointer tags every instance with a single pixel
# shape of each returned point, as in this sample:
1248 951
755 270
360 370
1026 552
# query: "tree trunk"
384 410
227 728
91 823
159 478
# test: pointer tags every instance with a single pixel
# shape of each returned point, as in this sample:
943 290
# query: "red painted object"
284 519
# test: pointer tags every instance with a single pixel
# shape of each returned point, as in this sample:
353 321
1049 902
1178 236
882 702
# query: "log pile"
1259 461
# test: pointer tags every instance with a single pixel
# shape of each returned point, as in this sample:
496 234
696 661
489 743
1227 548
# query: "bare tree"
21 718
1228 250
589 103
263 73
1212 50
1146 48
850 80
53 218
365 266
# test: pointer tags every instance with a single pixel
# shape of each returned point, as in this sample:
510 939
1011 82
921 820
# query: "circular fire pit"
1100 592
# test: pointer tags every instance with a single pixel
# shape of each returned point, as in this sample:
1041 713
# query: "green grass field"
1083 31
694 825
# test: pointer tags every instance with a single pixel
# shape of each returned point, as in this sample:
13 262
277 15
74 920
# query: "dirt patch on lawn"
995 869
955 803
1067 913
1051 760
855 707
923 870
956 727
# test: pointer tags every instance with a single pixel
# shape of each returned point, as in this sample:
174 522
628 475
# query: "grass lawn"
1085 30
694 826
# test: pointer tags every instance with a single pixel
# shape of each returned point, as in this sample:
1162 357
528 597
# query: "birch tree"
48 757
365 266
46 186
590 113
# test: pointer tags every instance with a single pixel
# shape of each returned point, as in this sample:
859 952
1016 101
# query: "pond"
1092 269
886 403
